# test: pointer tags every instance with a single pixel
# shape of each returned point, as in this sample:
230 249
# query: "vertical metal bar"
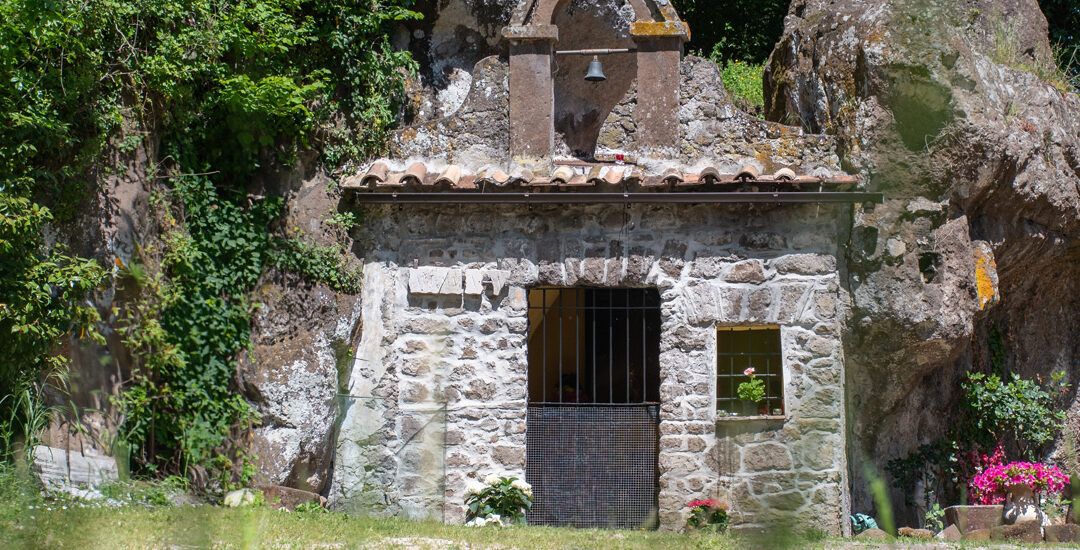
768 384
626 312
543 339
644 352
731 367
590 302
558 306
611 346
577 343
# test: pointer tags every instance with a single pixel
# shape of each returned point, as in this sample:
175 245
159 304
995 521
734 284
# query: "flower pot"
747 408
1020 505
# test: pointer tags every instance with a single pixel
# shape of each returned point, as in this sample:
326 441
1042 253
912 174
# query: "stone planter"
974 517
1020 505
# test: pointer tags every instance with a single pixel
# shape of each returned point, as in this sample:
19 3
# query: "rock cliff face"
980 164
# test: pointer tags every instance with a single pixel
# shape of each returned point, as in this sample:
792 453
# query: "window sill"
768 417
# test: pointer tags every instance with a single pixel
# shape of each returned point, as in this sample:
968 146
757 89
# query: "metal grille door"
593 466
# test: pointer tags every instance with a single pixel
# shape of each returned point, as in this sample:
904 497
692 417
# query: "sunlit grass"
214 527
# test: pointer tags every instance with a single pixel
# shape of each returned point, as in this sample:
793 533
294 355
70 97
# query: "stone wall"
445 320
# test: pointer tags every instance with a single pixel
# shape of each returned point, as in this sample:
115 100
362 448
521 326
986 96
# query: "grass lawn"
215 527
222 528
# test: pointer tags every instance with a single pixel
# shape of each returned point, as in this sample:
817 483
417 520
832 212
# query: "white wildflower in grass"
491 480
474 488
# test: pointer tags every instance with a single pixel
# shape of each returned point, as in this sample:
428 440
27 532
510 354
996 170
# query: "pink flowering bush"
989 486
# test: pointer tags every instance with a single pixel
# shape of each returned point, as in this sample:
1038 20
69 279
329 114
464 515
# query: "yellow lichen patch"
985 276
659 29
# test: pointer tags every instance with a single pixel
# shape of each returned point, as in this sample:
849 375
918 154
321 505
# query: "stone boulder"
979 161
302 340
1069 532
288 498
910 532
1021 531
61 468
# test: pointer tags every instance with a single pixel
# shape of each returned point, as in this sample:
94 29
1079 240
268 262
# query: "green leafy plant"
225 90
43 293
1020 409
310 507
709 515
743 81
753 389
934 519
498 501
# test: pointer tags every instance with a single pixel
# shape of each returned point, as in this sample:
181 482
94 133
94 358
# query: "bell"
596 71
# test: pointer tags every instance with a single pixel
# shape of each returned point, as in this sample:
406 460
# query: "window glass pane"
737 349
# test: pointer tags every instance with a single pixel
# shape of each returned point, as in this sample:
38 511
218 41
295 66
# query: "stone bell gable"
656 33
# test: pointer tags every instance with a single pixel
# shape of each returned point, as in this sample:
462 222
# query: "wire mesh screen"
593 466
391 459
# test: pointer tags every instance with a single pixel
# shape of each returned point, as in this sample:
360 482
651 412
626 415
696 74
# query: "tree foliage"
224 88
743 30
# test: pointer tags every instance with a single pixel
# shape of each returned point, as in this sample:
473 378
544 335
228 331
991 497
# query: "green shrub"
1019 409
743 82
501 500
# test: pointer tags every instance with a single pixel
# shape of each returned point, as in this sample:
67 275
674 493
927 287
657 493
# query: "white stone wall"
445 304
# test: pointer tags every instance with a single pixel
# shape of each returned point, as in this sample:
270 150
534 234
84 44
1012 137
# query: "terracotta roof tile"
451 175
376 174
415 174
672 177
748 172
614 174
784 174
562 174
392 180
582 175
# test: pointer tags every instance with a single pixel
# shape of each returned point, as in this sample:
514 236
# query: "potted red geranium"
708 515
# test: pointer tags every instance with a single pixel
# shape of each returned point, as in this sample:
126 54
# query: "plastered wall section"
445 320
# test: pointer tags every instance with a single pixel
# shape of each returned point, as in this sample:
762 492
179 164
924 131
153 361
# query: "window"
594 345
739 349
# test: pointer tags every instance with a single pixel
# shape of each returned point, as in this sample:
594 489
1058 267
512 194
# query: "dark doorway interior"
593 419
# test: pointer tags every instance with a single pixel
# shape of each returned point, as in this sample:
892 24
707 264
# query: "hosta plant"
498 501
707 514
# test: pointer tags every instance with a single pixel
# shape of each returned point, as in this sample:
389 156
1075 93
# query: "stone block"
708 267
817 451
278 496
915 533
766 456
498 278
507 455
1069 532
435 280
981 535
758 305
1021 531
474 282
805 264
950 533
823 403
60 468
971 518
749 271
873 534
